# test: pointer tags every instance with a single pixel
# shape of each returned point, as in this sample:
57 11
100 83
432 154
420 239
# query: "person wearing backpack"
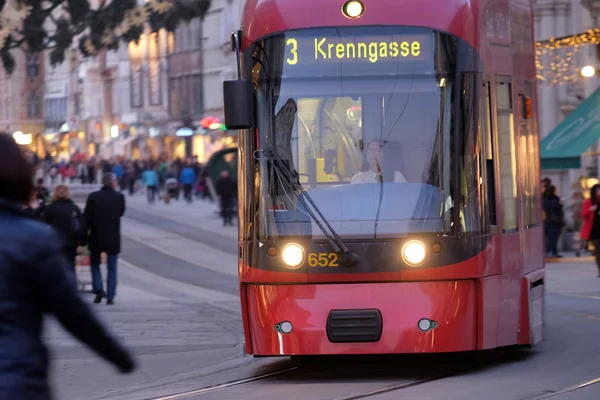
66 218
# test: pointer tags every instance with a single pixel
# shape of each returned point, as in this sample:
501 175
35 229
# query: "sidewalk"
173 329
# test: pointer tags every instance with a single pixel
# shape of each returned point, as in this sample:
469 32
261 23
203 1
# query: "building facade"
21 101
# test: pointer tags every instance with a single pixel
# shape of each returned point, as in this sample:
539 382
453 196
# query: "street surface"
177 309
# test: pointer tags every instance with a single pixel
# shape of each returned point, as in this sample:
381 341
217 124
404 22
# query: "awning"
563 147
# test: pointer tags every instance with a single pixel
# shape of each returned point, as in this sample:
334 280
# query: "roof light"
353 9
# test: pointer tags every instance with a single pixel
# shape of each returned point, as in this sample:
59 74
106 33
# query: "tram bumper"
366 318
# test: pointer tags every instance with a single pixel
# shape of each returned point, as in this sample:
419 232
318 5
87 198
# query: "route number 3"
293 51
323 260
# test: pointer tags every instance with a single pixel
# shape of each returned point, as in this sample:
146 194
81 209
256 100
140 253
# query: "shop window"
508 161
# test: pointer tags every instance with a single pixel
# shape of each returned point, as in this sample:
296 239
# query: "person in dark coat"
34 282
593 218
227 190
66 218
555 220
103 212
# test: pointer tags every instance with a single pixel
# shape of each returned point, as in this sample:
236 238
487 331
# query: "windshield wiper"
347 257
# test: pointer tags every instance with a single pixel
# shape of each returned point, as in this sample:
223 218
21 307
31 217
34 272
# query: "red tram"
388 176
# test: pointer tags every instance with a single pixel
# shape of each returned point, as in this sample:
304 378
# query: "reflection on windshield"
371 150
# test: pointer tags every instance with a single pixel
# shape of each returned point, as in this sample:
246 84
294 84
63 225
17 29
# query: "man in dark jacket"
227 190
103 213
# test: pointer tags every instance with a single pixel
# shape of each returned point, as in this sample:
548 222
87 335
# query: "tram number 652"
322 260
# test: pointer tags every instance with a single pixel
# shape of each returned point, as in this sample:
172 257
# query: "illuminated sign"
374 50
184 132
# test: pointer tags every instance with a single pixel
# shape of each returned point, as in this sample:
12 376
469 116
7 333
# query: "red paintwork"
402 305
245 320
463 18
492 298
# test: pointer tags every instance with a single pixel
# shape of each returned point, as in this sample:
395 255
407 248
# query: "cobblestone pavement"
177 308
172 328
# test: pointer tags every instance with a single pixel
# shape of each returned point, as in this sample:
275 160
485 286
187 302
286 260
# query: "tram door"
506 130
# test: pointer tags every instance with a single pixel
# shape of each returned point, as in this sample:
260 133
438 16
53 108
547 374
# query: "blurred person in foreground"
103 212
66 218
33 282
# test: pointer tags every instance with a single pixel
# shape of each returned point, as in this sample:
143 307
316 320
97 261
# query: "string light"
556 59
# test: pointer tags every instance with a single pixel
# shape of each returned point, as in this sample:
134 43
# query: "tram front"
359 164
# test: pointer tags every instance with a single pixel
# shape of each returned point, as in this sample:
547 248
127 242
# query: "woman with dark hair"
373 170
34 282
591 215
555 220
65 217
588 210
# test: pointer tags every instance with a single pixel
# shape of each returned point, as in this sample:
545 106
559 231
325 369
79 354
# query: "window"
174 98
529 148
171 42
34 105
198 98
33 65
471 182
488 138
372 143
508 161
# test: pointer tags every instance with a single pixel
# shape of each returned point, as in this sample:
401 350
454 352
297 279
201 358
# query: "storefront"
29 137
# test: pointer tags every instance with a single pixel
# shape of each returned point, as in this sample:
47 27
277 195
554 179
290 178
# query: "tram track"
325 374
355 396
567 390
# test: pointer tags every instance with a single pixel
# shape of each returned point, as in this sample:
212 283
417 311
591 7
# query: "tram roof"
459 17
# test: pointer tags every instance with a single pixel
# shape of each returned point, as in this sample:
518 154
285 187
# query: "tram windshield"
363 117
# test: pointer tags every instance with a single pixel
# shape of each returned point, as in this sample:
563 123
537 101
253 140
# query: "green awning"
563 147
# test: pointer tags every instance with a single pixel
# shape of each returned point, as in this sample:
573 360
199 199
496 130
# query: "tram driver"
373 170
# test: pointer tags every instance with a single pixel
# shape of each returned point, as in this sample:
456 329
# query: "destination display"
319 49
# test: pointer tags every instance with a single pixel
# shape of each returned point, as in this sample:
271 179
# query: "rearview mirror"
238 107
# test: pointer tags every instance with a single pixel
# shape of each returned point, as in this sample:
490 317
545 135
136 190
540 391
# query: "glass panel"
508 162
471 187
490 174
363 116
533 164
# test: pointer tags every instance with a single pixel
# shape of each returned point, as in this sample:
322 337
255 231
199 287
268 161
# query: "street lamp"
588 71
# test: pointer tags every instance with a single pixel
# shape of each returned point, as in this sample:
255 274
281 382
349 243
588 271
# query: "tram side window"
531 164
470 152
488 142
508 162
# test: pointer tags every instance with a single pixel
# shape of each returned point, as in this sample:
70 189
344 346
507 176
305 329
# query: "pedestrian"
34 282
555 220
66 218
588 213
42 194
150 178
227 190
103 212
188 179
591 214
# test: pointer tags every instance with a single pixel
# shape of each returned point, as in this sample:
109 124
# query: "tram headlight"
353 9
413 253
292 255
